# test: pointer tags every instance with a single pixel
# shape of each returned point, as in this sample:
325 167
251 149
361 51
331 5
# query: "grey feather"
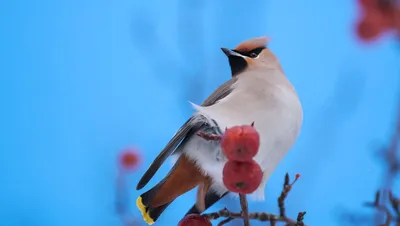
220 93
187 130
166 152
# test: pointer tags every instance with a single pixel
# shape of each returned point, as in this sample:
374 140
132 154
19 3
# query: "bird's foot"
209 136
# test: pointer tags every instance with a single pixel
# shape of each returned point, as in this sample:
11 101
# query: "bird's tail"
210 199
183 177
150 214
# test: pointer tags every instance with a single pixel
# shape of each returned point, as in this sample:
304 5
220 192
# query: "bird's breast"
275 111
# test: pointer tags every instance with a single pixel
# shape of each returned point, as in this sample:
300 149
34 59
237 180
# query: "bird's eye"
255 52
253 55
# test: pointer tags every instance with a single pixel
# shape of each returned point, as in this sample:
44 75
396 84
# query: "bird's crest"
253 43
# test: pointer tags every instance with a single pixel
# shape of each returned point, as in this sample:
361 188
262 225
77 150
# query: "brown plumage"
265 56
184 177
253 43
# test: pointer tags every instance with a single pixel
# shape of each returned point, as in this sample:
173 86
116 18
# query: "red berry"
367 4
129 159
194 220
390 18
240 143
371 26
242 177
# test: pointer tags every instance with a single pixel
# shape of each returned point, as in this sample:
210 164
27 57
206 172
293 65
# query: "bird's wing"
167 151
219 93
190 127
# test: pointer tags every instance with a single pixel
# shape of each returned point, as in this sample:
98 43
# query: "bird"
257 92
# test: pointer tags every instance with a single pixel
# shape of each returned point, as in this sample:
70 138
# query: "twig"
391 152
300 218
285 191
261 216
245 209
395 204
227 220
281 200
391 155
376 204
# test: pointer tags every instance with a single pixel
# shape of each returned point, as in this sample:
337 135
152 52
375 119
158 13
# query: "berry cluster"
378 16
241 174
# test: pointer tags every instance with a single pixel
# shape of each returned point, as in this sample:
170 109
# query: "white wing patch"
195 106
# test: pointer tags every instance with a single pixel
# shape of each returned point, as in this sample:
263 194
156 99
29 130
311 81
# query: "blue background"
81 80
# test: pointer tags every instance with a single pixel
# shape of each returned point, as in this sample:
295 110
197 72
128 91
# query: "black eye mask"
252 53
238 63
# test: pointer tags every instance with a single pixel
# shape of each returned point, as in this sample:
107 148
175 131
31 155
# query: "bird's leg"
201 195
213 134
209 136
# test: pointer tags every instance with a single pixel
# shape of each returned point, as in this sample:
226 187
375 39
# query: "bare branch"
261 216
300 218
376 204
282 197
395 202
227 220
245 209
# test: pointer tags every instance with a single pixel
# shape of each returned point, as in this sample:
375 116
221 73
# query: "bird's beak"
229 52
237 61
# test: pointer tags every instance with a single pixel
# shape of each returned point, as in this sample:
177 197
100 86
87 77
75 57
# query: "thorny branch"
376 204
227 220
395 205
262 216
245 209
390 154
391 158
392 162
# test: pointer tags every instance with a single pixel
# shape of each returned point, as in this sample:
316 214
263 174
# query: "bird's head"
251 54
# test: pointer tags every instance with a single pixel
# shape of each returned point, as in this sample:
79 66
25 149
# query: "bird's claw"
208 136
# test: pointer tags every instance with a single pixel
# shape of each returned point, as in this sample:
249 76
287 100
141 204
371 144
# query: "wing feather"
188 129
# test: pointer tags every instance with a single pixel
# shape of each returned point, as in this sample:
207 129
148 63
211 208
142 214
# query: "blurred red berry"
194 220
371 26
367 4
396 19
297 176
390 18
242 177
240 143
129 159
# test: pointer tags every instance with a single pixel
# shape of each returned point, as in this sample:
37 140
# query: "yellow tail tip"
145 214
